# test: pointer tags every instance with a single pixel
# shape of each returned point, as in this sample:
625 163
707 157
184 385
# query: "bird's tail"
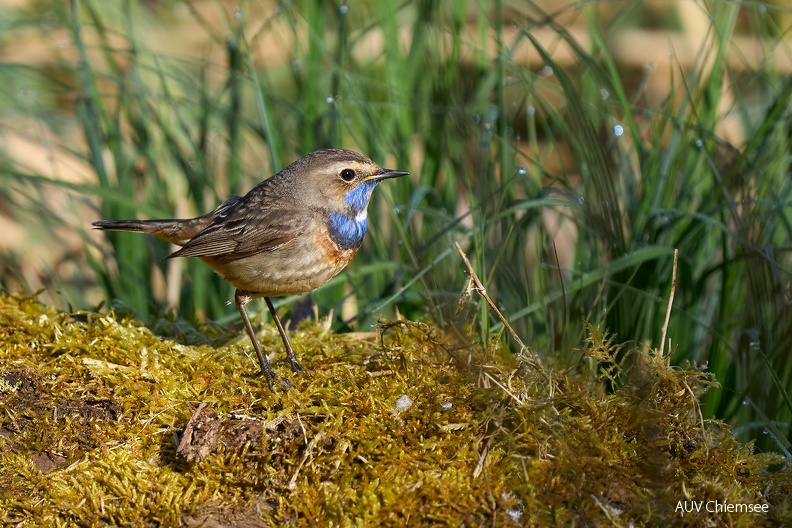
175 231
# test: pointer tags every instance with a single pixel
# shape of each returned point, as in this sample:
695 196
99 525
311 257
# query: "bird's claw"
295 365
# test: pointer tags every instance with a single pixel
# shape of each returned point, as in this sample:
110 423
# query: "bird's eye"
347 175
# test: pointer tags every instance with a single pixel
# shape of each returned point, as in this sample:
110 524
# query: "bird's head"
343 178
340 184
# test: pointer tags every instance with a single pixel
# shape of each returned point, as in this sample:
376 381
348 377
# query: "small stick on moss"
482 458
306 458
380 373
533 358
668 311
91 362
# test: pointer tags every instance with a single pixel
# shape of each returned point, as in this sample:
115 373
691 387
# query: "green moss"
93 411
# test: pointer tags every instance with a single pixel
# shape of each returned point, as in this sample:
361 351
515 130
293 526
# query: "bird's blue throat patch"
358 198
348 228
346 232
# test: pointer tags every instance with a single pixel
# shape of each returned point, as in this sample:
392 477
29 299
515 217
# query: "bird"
288 235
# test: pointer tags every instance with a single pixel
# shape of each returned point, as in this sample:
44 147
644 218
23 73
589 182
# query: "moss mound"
105 423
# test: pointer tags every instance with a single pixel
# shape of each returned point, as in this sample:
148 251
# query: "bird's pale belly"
299 268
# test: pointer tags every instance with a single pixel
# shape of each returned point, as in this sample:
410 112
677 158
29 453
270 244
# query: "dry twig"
531 356
668 311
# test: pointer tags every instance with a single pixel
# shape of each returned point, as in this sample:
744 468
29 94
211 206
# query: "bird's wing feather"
248 226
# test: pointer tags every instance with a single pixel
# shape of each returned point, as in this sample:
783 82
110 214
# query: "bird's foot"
295 365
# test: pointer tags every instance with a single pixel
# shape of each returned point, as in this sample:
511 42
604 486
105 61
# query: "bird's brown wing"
249 226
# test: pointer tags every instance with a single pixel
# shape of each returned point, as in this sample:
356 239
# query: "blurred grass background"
569 147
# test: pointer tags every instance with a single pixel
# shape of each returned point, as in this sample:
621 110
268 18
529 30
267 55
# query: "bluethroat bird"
289 235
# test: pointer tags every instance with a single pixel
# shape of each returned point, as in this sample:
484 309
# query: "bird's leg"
241 300
291 357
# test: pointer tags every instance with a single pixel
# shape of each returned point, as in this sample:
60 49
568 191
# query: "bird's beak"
384 174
